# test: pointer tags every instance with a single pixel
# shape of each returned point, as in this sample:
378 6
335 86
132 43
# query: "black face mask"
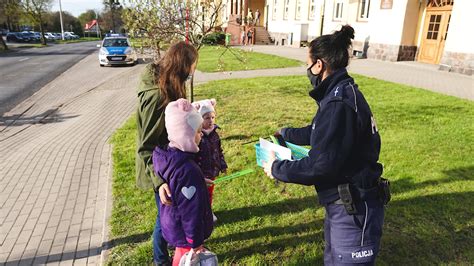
315 79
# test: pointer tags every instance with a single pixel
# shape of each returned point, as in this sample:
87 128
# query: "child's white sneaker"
214 218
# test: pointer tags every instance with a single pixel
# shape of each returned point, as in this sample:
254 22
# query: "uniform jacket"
151 130
344 139
188 222
210 156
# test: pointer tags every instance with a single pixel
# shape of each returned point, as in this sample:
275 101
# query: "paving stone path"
55 165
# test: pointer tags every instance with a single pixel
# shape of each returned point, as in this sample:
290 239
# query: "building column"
236 11
246 8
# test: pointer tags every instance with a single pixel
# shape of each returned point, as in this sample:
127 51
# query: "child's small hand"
165 194
209 182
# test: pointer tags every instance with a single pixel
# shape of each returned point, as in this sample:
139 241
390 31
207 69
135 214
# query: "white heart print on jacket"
188 192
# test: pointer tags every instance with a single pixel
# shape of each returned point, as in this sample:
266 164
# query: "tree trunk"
3 45
43 39
9 24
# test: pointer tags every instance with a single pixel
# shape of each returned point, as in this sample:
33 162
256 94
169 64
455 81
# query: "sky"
77 7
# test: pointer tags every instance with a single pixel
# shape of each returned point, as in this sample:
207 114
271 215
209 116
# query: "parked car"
116 50
70 35
4 32
15 37
57 36
29 36
49 36
37 36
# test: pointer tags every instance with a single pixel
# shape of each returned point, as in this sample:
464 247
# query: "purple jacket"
188 222
210 157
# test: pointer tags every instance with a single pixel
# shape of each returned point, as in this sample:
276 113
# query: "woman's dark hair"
171 72
333 48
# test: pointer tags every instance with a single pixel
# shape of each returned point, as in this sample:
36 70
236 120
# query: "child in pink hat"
210 157
187 222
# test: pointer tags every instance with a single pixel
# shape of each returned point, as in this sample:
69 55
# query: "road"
25 71
55 163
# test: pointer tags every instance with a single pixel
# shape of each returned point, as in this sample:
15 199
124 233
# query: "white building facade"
431 31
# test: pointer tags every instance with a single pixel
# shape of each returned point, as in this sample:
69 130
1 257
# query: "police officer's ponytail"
333 48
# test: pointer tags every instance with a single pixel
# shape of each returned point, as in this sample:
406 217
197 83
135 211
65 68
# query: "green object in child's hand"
234 175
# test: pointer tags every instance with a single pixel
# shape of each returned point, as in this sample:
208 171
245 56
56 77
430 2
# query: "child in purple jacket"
210 156
188 221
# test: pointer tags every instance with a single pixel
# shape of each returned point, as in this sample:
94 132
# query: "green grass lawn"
427 152
82 39
13 46
219 58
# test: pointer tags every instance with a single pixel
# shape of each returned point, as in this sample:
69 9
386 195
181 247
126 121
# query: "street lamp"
97 27
61 20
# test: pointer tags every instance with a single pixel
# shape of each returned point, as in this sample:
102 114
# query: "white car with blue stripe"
116 50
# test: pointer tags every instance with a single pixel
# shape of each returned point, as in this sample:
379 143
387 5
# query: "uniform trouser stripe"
365 223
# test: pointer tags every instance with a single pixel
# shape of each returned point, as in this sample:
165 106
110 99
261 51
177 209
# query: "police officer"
342 163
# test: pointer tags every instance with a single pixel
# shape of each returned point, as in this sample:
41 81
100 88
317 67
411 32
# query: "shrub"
214 38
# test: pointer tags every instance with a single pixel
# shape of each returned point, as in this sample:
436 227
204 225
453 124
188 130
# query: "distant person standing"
257 17
250 36
250 17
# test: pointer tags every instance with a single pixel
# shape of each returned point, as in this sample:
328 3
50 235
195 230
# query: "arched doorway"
435 30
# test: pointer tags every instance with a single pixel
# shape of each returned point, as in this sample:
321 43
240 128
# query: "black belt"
349 195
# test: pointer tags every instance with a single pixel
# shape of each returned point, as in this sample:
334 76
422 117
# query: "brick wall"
385 52
457 62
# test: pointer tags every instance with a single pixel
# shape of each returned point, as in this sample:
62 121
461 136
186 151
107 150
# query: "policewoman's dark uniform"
345 147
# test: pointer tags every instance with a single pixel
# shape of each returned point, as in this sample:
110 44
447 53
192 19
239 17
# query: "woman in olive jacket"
160 84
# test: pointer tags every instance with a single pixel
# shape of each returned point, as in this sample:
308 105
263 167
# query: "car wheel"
101 65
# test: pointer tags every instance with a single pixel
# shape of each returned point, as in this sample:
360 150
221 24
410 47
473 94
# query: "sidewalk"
55 166
411 73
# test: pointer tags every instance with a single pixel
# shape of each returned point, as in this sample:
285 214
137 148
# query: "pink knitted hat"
182 121
205 106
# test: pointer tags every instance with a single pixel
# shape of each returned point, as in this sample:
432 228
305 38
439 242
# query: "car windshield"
115 43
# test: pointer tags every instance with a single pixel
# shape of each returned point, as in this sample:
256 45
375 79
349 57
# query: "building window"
275 9
286 8
364 6
298 9
312 9
338 9
433 28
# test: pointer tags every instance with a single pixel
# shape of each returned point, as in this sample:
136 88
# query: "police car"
116 50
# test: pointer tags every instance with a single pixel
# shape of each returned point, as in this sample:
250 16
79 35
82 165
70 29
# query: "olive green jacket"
151 130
